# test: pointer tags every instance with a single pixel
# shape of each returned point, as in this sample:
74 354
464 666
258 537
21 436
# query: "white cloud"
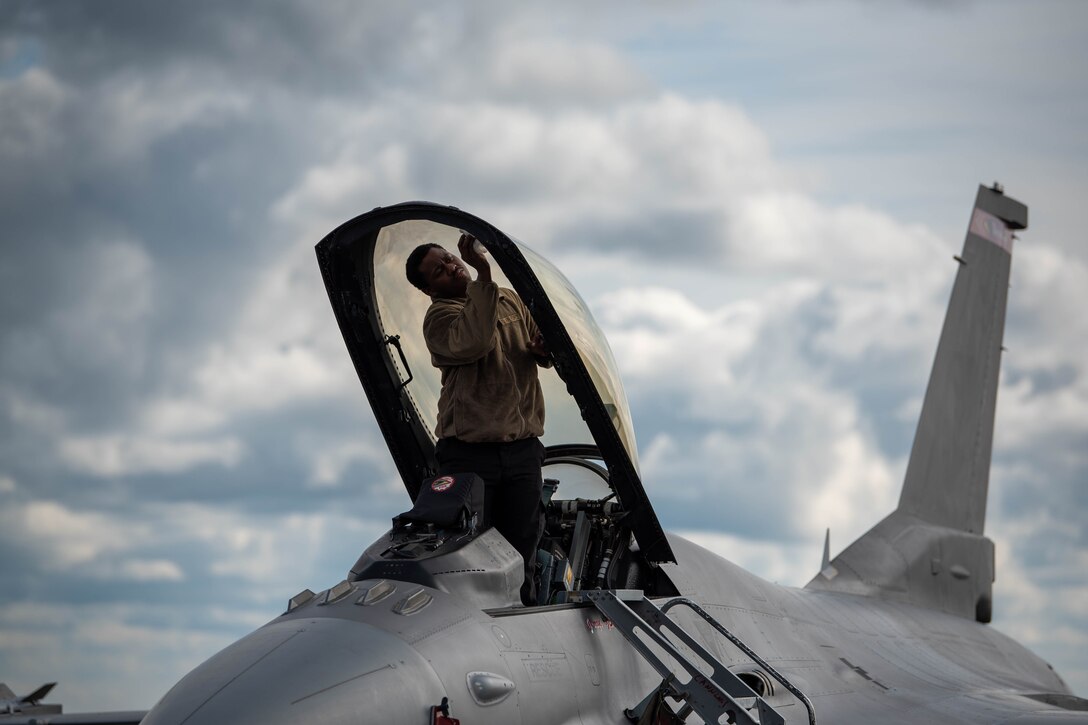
273 554
1044 393
152 570
326 194
284 348
106 322
900 318
1043 606
1048 284
520 163
7 484
134 111
32 414
106 656
858 488
181 416
65 538
265 549
786 564
126 455
645 327
29 106
789 231
329 461
265 377
754 405
808 447
536 69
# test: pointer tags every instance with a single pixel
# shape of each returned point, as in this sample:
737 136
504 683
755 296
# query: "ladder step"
713 696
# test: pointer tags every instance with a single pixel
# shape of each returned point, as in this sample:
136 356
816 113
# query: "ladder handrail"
746 650
630 609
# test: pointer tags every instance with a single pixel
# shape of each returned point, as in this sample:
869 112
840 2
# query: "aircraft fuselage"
856 658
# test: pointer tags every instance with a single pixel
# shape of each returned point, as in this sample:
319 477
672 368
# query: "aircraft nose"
326 670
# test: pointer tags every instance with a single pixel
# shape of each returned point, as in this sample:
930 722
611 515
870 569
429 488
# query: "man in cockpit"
491 408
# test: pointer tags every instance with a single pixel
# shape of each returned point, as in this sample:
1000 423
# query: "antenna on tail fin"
930 551
827 571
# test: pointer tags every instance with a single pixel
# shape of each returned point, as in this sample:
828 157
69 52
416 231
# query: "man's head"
436 272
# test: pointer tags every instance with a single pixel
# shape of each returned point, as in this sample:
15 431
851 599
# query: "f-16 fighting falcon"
630 624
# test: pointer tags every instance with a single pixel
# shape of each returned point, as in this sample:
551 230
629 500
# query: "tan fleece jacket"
490 390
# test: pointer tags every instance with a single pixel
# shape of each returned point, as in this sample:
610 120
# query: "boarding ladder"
721 694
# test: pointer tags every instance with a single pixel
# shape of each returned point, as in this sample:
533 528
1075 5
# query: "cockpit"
601 531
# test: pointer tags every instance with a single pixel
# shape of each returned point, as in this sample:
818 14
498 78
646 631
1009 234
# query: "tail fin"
931 550
34 697
949 469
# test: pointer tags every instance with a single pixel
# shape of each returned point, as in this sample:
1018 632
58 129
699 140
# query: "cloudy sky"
760 202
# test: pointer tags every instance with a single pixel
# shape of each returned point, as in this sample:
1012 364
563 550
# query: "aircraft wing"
1017 709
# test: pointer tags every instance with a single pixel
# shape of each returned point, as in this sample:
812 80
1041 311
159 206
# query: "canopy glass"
401 308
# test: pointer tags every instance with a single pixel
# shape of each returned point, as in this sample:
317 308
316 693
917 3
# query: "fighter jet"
31 710
633 624
10 703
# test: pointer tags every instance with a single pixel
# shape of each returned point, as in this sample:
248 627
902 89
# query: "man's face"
445 273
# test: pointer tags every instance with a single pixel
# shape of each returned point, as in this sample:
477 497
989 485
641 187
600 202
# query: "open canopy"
381 317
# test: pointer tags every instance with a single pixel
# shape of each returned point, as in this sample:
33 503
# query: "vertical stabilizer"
949 469
931 550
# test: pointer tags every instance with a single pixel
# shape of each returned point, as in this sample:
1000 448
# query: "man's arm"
540 351
535 346
457 334
466 246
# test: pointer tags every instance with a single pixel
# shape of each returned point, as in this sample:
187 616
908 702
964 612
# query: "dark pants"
512 484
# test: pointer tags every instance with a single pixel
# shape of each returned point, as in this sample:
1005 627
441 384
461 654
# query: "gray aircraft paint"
930 550
949 467
890 631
